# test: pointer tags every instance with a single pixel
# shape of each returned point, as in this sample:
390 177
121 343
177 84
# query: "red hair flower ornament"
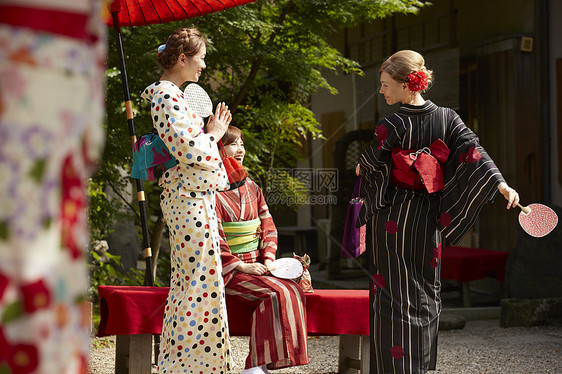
417 81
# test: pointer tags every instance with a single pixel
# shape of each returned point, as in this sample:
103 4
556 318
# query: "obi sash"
149 151
242 236
419 169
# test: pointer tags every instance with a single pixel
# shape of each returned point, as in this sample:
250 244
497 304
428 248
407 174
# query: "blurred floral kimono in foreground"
52 55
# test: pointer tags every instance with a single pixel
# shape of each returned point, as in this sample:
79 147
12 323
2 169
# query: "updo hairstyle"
184 40
403 63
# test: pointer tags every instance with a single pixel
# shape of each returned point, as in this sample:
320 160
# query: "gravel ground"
481 347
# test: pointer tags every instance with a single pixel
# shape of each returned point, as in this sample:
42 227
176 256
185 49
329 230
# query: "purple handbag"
353 242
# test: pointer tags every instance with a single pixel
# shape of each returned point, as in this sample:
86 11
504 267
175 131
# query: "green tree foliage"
264 60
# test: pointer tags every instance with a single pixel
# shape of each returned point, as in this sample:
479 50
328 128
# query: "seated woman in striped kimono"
248 246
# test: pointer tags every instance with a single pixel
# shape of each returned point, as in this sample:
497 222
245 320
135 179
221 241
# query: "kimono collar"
416 110
150 91
236 185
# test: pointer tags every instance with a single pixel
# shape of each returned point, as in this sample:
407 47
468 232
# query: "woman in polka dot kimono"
195 331
426 177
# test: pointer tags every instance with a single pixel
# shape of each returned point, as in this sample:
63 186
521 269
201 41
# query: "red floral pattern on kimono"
51 135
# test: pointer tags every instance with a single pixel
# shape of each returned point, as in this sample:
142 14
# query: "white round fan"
198 100
286 268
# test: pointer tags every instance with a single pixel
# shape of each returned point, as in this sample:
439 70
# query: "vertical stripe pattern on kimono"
195 328
406 226
52 64
279 336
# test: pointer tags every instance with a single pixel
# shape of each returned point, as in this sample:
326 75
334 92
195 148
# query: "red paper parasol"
148 12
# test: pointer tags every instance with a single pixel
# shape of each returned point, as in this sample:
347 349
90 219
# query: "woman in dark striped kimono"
248 246
426 177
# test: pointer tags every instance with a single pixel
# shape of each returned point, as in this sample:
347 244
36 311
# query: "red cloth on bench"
129 310
464 264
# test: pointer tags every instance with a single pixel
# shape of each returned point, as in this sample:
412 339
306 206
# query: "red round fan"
537 220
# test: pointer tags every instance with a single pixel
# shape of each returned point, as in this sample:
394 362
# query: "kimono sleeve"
375 165
181 130
268 239
471 180
229 261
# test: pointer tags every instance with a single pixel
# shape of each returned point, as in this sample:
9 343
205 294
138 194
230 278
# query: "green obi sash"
243 236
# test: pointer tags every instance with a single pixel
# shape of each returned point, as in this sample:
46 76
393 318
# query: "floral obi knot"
419 169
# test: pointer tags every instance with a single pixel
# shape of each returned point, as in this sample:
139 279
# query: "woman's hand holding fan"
536 219
199 101
509 194
286 268
254 268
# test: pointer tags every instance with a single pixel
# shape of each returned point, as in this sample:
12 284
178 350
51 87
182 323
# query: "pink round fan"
286 268
537 220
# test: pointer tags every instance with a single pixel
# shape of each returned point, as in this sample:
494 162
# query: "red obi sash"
420 169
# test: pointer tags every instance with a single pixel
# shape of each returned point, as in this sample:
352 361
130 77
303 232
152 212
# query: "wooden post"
365 354
133 354
349 361
466 294
122 354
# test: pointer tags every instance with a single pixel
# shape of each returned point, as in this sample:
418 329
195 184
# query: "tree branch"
123 199
256 64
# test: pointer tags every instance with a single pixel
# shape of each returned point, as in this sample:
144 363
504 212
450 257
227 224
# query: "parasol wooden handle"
525 209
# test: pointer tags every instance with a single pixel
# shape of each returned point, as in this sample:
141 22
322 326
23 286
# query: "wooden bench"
136 313
463 264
